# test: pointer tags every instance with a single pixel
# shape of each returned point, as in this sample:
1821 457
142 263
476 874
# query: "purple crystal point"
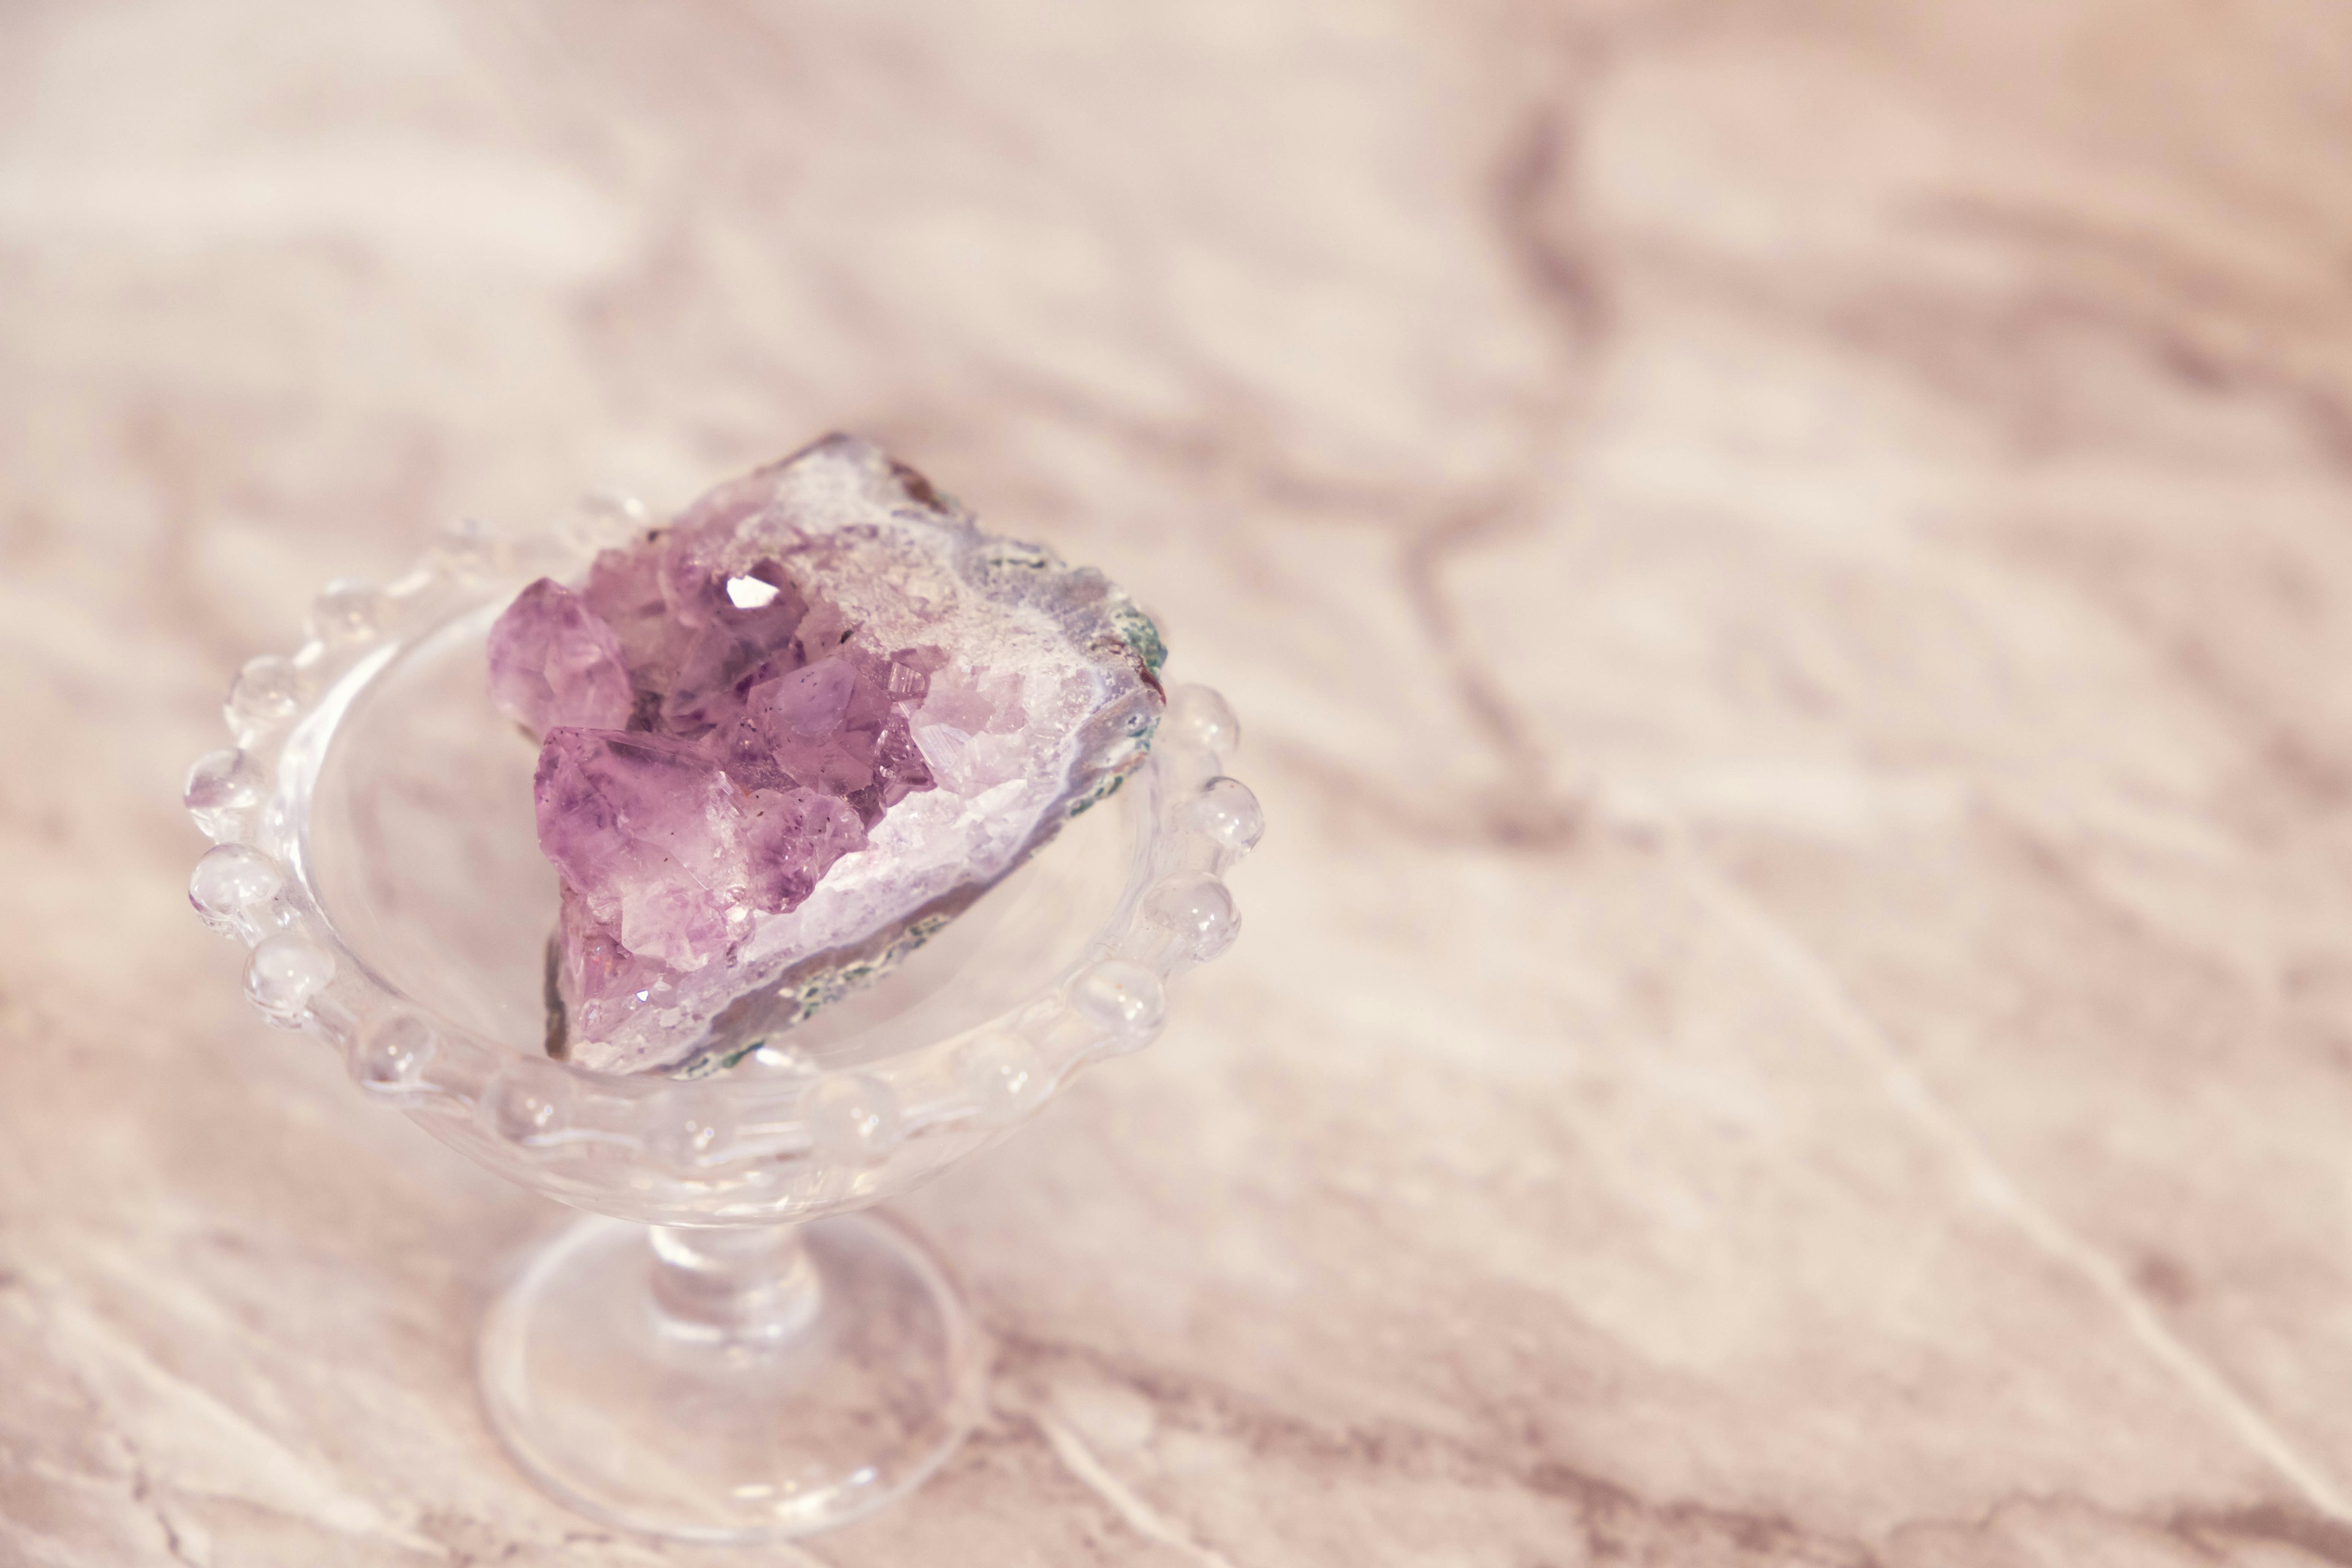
791 839
554 663
601 982
649 831
792 732
624 590
834 726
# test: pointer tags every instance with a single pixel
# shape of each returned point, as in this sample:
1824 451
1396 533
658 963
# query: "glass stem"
751 1286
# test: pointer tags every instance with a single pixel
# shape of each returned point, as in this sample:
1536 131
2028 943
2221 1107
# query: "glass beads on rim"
268 693
223 790
346 612
285 971
853 1120
236 891
391 1052
1198 911
773 1139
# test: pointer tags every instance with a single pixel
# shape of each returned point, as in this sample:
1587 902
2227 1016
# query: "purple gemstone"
554 663
603 982
791 839
818 661
649 831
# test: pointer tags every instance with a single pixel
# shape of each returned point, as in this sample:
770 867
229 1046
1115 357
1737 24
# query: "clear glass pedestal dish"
729 1348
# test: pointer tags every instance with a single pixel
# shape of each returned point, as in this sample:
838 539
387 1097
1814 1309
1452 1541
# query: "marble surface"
1789 572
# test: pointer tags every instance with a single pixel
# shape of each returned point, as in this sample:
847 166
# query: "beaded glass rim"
730 1148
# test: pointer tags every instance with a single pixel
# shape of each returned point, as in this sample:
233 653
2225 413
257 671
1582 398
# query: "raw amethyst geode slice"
790 736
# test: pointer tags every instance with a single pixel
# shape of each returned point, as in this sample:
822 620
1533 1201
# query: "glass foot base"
690 1425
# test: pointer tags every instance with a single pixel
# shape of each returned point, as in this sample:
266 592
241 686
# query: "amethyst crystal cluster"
785 738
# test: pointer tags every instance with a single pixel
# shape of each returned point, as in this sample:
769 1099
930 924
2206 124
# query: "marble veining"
1784 570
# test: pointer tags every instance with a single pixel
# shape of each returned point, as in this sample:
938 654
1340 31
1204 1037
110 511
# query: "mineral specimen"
786 737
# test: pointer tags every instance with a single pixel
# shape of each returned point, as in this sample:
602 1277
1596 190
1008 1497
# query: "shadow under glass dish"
422 851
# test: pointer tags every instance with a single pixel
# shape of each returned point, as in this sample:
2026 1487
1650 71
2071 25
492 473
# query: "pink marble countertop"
1786 568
